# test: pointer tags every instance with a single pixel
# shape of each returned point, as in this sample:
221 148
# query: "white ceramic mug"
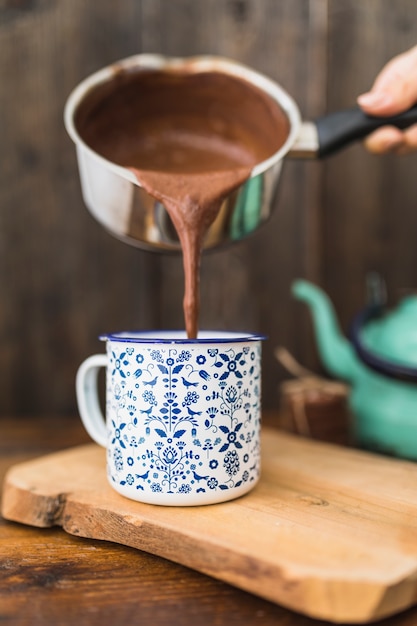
183 415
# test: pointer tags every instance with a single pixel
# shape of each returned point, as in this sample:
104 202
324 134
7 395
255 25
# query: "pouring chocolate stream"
190 139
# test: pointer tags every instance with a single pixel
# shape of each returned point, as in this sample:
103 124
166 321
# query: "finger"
384 140
391 140
395 88
409 142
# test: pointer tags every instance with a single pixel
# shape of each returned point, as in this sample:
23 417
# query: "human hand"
394 91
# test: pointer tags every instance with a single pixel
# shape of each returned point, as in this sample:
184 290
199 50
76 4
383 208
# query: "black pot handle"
337 130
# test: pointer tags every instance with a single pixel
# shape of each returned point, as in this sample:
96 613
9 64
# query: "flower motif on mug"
234 363
208 445
212 483
208 422
231 395
212 412
170 455
117 391
191 398
149 397
156 355
184 489
131 409
118 434
205 376
201 359
118 459
231 463
231 437
184 355
118 363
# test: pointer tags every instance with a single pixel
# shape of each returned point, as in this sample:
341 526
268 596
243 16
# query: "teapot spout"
336 352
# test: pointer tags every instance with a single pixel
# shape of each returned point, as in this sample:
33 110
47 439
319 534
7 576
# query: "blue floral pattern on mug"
184 419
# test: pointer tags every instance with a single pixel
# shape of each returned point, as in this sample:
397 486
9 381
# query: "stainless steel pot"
114 197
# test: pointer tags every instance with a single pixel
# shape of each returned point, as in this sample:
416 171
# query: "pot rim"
202 63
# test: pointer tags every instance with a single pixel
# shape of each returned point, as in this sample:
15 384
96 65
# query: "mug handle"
87 398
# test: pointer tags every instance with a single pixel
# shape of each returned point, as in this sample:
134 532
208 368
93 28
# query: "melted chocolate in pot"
190 139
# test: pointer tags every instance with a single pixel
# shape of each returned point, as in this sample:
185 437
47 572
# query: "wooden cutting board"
329 532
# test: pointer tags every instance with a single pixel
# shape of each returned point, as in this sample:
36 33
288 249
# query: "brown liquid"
190 139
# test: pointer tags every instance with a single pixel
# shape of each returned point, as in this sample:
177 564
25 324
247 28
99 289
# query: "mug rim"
179 337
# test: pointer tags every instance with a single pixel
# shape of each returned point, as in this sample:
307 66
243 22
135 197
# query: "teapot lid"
386 340
393 334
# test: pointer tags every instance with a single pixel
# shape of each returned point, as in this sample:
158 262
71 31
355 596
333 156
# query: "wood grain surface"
50 577
328 532
65 280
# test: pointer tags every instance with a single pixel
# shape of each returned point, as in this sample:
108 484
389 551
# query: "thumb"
395 88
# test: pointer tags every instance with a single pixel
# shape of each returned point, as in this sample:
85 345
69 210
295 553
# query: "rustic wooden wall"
64 280
369 218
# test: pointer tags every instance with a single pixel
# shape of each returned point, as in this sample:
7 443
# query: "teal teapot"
379 363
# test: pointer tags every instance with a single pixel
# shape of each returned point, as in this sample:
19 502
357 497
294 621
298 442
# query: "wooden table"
50 577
